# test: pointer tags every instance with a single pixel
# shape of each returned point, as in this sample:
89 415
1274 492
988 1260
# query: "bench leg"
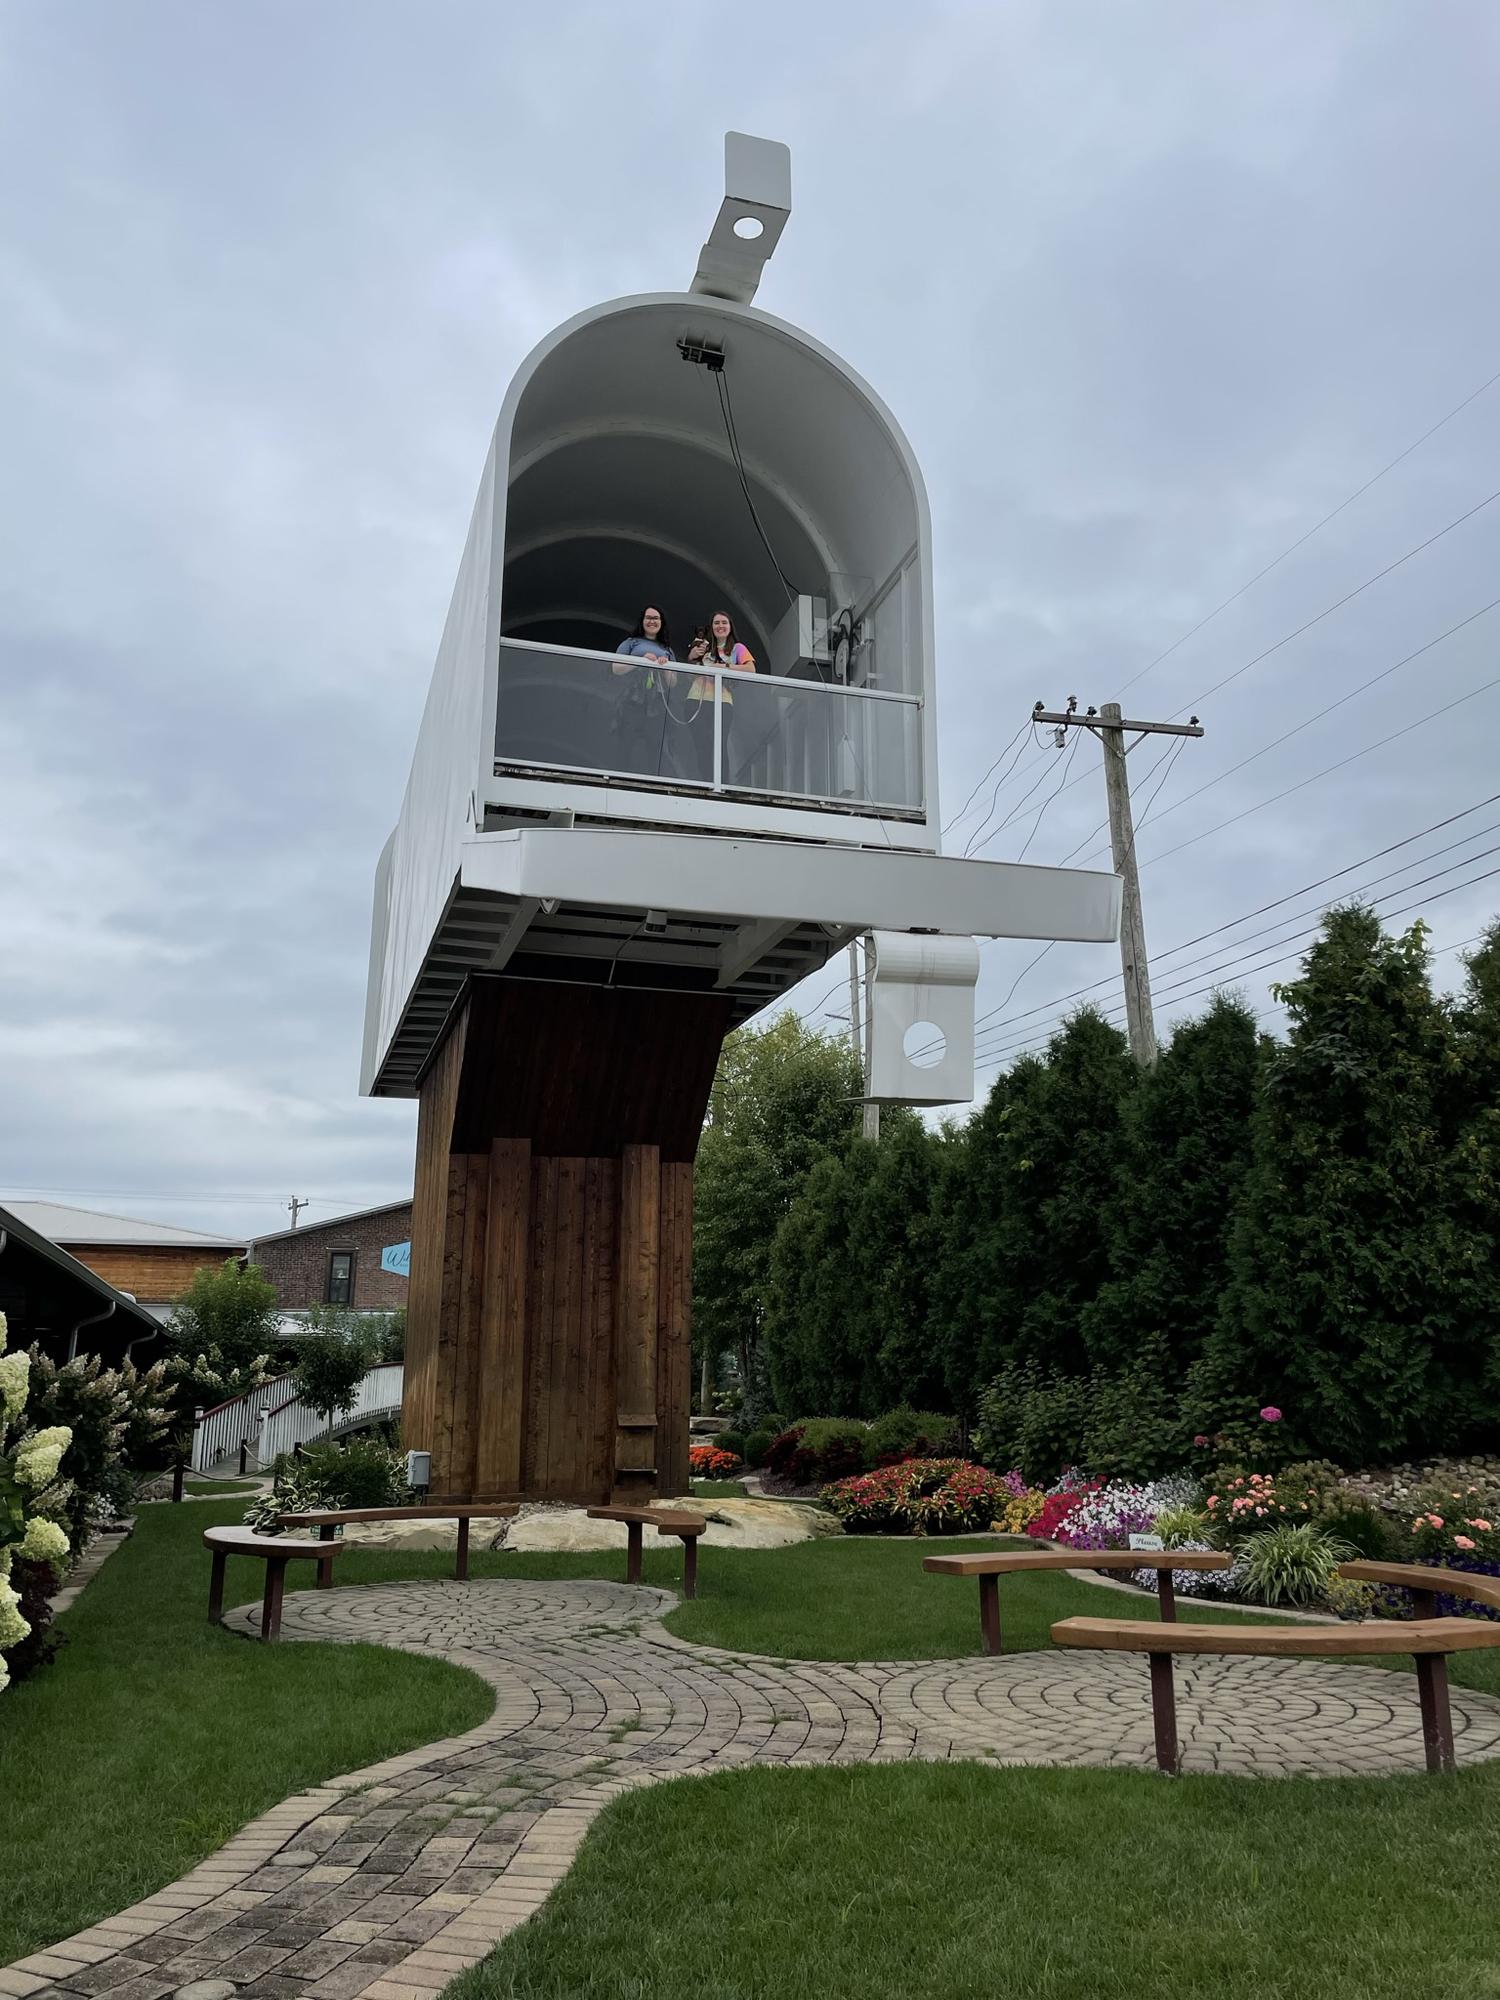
1164 1713
1424 1604
216 1588
1166 1597
1437 1717
270 1603
325 1568
461 1565
632 1551
690 1565
989 1612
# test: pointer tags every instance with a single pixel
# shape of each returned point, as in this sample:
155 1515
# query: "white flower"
4 1332
44 1542
39 1456
13 1627
15 1377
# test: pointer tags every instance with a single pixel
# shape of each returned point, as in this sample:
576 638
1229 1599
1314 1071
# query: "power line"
1438 951
1291 896
1292 547
1353 695
962 811
1212 983
1348 598
1042 814
978 837
1433 715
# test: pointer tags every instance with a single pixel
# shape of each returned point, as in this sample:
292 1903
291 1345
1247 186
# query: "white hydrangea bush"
30 1493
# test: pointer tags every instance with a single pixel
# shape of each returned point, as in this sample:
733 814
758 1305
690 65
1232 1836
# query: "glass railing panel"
606 716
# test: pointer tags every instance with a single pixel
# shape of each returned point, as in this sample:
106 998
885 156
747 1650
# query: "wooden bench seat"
275 1551
990 1565
666 1521
1427 1639
327 1519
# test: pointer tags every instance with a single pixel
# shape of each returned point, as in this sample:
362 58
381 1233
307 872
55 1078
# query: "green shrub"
1184 1523
1291 1563
906 1433
365 1472
732 1441
757 1444
1349 1517
1347 1599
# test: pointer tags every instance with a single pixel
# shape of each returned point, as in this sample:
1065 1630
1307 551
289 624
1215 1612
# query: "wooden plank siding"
549 1326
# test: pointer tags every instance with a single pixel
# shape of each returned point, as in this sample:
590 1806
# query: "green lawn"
154 1736
938 1882
200 1488
718 1489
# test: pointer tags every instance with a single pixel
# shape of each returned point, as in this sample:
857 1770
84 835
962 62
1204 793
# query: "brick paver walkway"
385 1884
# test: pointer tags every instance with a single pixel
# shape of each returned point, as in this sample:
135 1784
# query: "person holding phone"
715 646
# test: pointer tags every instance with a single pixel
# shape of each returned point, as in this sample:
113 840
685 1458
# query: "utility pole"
1110 726
296 1205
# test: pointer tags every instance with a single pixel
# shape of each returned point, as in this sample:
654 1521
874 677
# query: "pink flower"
1434 1520
1260 1510
1213 1501
1200 1439
1462 1542
1480 1524
1270 1414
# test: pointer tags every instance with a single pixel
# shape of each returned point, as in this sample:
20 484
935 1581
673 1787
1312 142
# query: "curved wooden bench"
1428 1640
666 1521
275 1551
326 1519
1010 1562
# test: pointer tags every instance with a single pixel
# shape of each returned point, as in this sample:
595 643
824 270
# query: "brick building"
152 1262
358 1260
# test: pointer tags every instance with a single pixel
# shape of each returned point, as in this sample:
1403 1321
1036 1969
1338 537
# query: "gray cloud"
1151 288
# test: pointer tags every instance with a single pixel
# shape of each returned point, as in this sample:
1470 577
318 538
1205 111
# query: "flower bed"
921 1496
710 1461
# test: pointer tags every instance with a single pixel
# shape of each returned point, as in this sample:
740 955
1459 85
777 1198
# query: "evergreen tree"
846 1327
781 1100
1351 1262
1475 1121
1024 1250
1186 1151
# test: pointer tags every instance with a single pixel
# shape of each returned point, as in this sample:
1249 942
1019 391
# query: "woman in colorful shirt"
718 648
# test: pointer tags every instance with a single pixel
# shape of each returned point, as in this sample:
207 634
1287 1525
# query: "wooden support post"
1164 1713
325 1569
1437 1717
690 1565
989 1612
177 1471
1166 1597
632 1551
549 1319
270 1603
216 1588
461 1566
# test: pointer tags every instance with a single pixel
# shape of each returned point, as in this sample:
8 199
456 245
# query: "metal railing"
291 1422
613 717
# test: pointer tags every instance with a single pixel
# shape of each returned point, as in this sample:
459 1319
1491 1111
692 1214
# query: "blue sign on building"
396 1257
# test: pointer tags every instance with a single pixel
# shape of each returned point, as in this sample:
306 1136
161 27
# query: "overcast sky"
1151 287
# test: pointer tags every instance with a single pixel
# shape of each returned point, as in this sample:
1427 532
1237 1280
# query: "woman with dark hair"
715 646
640 731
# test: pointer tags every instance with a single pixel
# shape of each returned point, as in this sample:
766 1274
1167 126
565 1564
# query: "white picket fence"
270 1420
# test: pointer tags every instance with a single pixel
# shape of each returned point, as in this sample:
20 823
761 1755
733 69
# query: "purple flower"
1270 1414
